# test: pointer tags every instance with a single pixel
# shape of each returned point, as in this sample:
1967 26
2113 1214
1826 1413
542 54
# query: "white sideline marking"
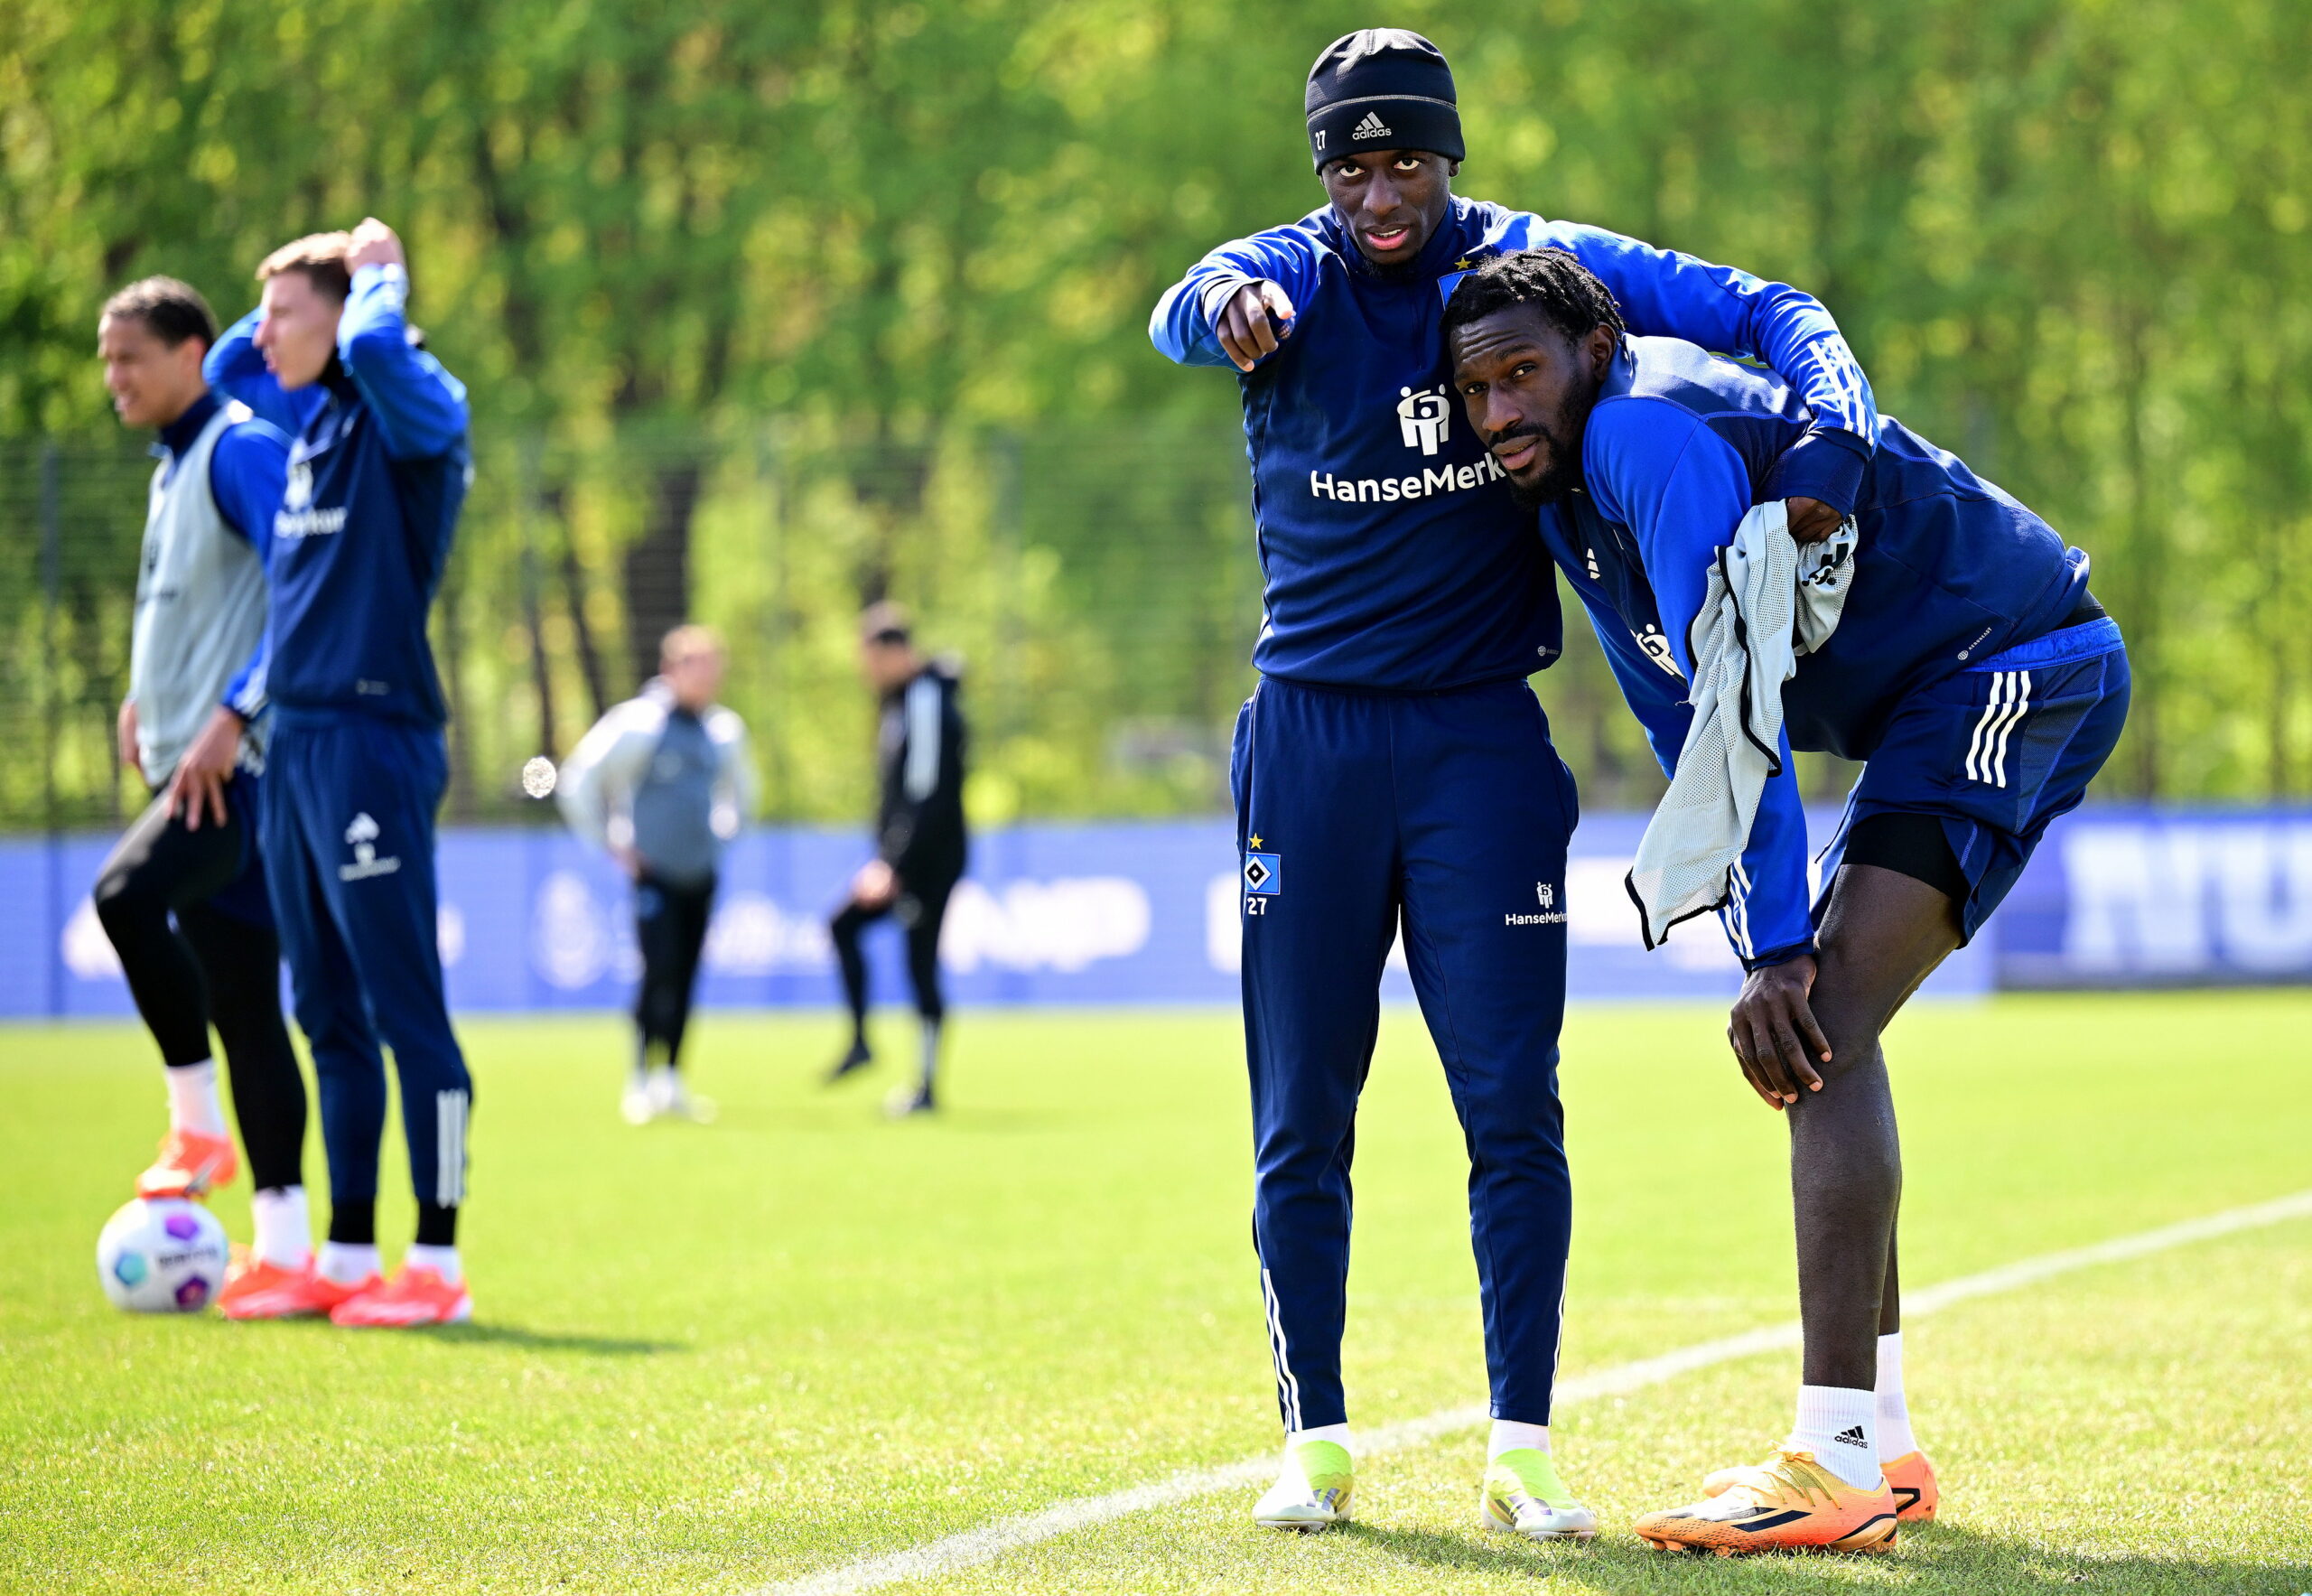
969 1549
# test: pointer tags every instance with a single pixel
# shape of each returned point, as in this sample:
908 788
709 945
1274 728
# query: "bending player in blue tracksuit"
357 764
1968 666
1393 766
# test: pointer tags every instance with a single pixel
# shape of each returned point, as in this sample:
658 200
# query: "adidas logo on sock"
1853 1437
1370 127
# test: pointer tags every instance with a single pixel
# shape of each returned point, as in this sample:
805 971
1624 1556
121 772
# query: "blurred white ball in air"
537 777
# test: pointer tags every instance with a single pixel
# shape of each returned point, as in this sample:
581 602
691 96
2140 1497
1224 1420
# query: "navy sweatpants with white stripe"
1448 814
349 849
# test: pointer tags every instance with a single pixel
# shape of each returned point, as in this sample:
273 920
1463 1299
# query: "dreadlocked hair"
1561 287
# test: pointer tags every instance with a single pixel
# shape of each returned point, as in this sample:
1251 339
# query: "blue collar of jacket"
179 435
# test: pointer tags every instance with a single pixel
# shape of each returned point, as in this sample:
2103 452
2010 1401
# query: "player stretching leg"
1945 637
1392 769
357 763
921 847
194 724
663 781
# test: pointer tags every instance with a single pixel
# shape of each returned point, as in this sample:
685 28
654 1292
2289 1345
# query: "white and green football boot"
1523 1496
1312 1491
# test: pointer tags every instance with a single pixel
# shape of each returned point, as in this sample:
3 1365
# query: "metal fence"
1097 583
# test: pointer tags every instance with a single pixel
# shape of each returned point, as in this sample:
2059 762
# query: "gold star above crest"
1464 264
1257 842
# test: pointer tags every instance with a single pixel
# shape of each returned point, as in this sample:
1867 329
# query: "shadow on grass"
1932 1560
515 1335
833 1115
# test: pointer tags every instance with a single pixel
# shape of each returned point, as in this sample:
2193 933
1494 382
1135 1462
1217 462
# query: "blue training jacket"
1392 556
1948 570
377 477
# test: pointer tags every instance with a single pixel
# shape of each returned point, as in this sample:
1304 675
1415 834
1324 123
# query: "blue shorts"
1995 752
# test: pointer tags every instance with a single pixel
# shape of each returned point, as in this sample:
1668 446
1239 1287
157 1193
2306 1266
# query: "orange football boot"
1910 1476
1789 1503
416 1296
267 1290
188 1164
1912 1479
250 1278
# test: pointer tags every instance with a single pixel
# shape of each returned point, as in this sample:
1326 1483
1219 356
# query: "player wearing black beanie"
1392 747
1382 88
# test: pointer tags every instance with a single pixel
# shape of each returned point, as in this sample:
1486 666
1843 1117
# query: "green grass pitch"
717 1359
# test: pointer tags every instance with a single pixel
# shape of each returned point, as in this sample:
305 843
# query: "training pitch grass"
717 1358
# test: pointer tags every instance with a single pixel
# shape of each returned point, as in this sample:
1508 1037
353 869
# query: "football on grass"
165 1256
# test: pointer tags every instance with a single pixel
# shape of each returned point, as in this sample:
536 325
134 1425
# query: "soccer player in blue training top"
1945 637
1393 765
194 725
357 764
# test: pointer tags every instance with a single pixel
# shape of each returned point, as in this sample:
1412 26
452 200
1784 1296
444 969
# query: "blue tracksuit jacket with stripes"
1393 557
1949 571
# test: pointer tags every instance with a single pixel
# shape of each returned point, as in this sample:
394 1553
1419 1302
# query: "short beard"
1564 437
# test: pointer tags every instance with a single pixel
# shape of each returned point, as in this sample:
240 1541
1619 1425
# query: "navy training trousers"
1448 812
348 835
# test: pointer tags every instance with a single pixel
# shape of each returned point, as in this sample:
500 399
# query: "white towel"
1768 601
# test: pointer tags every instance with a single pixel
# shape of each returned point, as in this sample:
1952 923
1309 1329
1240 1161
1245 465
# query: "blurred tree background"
768 310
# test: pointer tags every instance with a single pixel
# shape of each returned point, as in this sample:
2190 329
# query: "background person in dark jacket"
919 842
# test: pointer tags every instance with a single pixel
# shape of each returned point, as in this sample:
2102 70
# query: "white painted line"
953 1554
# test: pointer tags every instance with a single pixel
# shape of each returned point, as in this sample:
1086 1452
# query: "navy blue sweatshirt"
1393 557
1948 572
377 477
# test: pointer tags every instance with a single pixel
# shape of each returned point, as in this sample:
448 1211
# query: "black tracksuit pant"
670 921
920 912
219 963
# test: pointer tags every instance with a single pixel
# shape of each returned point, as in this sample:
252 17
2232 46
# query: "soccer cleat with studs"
1523 1496
269 1292
1789 1503
190 1164
1311 1493
1910 1476
416 1296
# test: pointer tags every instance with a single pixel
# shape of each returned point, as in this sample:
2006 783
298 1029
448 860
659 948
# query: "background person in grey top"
663 781
182 895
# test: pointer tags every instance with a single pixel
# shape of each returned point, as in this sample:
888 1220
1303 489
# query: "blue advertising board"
1149 913
1113 913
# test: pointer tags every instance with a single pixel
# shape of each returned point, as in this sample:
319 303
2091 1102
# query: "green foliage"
2069 238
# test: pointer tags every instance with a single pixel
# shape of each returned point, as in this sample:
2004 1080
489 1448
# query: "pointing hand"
1247 332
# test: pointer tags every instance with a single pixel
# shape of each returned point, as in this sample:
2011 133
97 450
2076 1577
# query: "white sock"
442 1260
347 1263
284 1231
1834 1424
193 1099
1509 1435
1894 1413
931 1068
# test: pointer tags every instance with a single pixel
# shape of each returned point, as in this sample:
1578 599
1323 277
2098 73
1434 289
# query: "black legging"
670 929
208 969
920 912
